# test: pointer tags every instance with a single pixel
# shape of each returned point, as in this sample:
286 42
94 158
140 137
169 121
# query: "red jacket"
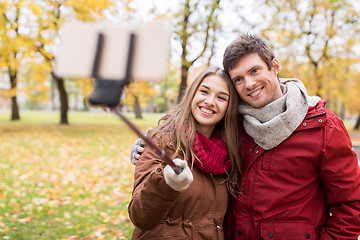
308 187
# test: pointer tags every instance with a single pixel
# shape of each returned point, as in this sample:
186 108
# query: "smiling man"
255 83
300 178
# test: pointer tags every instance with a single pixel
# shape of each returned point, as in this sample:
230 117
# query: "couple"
286 160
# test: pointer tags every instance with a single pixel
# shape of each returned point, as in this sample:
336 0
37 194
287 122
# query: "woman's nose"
210 101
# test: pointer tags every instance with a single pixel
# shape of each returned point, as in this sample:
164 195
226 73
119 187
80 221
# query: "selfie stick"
107 92
160 152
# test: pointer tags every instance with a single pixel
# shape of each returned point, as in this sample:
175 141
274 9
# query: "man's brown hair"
245 45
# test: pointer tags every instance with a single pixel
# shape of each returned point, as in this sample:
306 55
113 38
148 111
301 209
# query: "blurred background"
316 41
64 166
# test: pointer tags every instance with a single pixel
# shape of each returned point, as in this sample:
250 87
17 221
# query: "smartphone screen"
76 54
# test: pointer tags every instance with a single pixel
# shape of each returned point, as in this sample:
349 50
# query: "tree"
34 83
311 38
352 89
49 26
198 23
49 22
138 92
167 93
14 47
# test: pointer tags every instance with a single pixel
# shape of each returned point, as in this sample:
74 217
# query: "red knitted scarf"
212 153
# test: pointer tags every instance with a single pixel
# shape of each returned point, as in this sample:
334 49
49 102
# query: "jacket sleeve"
152 197
340 176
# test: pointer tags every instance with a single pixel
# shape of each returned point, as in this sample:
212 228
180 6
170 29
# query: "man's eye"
237 80
255 70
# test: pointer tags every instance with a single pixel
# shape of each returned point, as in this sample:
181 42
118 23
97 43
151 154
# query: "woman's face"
210 103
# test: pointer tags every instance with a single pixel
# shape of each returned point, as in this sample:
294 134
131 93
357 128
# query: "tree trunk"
183 84
357 125
137 109
86 106
342 112
14 105
53 104
63 99
14 109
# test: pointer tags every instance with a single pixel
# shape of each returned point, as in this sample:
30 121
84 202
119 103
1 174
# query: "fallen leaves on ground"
65 182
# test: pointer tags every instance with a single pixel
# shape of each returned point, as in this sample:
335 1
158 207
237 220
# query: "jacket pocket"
272 230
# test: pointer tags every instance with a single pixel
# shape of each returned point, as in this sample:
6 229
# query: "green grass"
66 182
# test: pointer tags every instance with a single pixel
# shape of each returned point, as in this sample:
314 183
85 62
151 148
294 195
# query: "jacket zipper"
319 114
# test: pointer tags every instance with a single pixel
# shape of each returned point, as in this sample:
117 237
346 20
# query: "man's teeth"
256 92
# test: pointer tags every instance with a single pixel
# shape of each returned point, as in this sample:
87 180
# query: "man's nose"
249 82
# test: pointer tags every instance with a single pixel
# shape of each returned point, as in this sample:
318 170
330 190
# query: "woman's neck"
205 130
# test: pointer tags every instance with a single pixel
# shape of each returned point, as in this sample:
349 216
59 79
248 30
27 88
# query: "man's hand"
138 148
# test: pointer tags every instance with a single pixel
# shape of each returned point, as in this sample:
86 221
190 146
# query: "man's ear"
276 66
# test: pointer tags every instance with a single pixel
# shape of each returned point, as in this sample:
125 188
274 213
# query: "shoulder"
320 116
161 139
164 142
331 116
332 122
320 109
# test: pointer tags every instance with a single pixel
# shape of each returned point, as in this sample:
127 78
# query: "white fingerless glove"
178 182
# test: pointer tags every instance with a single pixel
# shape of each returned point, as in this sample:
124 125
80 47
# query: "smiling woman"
210 103
202 130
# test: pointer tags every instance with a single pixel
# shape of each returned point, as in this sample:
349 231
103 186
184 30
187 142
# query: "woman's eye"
204 91
222 98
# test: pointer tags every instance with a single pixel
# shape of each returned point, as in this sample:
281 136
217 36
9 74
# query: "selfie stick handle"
107 92
160 152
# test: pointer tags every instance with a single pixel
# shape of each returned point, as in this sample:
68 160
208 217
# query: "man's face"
254 82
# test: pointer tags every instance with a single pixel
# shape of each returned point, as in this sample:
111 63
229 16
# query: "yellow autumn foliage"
315 43
138 89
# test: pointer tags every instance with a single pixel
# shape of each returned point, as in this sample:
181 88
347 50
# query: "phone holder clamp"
107 92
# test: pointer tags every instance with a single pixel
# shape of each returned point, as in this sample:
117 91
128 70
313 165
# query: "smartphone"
76 54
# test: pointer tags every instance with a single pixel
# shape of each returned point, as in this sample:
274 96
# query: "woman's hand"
181 181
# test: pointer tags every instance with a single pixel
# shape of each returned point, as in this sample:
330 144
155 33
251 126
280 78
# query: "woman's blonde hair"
179 124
